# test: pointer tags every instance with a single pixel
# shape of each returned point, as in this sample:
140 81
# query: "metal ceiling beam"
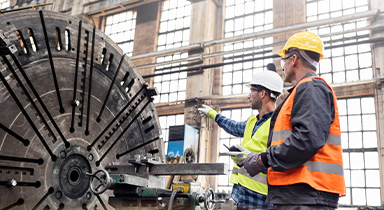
301 26
222 53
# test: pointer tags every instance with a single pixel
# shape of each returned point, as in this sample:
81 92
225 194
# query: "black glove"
234 149
252 164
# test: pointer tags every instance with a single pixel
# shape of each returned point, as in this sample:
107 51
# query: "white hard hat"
268 79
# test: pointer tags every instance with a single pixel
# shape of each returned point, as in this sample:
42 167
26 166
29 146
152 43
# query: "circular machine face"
71 103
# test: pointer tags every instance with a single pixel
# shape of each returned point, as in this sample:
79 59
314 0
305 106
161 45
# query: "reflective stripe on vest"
256 143
234 179
259 177
324 171
281 135
324 167
262 178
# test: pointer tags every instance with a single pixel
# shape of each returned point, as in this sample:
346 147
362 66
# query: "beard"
256 104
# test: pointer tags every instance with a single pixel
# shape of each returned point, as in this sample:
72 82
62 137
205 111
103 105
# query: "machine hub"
73 178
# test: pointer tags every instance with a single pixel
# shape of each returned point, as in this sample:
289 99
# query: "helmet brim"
281 53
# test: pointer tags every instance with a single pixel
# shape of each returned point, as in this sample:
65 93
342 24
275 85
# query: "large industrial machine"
78 128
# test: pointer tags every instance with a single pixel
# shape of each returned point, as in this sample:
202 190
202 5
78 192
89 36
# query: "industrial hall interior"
192 104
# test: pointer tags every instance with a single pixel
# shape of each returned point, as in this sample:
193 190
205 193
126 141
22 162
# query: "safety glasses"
282 61
255 88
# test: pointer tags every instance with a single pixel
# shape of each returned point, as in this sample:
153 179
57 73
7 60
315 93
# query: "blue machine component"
175 148
183 141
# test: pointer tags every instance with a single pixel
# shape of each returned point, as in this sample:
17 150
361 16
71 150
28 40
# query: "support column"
206 25
147 27
285 13
378 72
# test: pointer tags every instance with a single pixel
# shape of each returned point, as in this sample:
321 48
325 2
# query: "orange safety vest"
324 171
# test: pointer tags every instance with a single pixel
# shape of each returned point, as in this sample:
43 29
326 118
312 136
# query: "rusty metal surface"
171 169
70 105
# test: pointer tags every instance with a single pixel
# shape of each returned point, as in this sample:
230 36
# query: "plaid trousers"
248 199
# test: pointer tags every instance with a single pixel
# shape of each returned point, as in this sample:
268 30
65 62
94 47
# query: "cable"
174 192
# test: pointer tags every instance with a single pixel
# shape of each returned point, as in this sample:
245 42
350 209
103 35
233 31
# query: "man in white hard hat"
249 192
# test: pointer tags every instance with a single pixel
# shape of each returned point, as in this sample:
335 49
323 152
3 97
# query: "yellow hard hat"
304 41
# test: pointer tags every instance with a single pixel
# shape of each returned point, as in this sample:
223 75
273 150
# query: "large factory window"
165 122
360 156
229 140
121 29
244 17
173 32
4 4
346 58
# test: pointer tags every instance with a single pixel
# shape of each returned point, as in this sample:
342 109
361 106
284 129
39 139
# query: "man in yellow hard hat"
304 154
249 192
